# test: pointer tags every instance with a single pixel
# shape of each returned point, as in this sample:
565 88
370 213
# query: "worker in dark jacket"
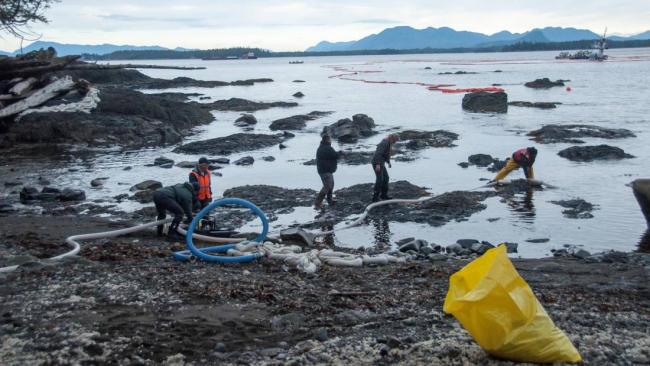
201 175
178 199
522 158
326 160
379 161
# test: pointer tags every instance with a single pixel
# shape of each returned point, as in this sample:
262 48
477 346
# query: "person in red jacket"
522 158
201 175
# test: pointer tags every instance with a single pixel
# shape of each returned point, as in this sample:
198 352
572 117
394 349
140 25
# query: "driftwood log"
52 90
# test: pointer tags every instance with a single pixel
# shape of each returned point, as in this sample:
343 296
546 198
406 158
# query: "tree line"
239 51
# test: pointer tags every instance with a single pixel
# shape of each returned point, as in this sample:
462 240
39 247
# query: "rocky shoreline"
125 300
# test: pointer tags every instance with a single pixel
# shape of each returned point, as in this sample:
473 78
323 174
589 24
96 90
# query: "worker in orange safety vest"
201 175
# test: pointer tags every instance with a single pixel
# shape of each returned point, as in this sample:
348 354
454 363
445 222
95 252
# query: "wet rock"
577 208
288 321
177 97
186 164
414 245
282 146
98 182
272 198
540 105
572 133
463 165
298 81
298 95
544 83
163 162
48 197
582 254
69 194
127 168
457 73
351 317
436 257
486 102
238 142
246 120
220 160
149 185
538 241
497 165
297 235
43 181
247 160
220 347
511 247
351 130
13 183
481 160
268 158
121 197
393 342
427 68
417 140
594 152
242 105
6 208
467 243
288 135
354 157
28 194
641 189
297 122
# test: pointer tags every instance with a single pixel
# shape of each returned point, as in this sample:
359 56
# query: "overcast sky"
298 24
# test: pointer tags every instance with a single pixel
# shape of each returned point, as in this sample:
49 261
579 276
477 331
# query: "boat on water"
597 55
296 62
246 56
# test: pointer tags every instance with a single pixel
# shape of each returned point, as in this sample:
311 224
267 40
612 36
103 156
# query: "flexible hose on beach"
203 253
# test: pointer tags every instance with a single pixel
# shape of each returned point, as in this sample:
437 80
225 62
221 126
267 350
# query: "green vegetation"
16 15
226 52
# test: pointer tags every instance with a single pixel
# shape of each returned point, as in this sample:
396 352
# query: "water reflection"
523 206
644 243
381 231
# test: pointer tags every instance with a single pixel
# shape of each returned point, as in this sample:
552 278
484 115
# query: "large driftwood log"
85 105
57 63
39 97
23 87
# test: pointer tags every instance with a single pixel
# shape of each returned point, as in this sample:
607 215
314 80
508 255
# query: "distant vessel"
296 62
599 55
246 56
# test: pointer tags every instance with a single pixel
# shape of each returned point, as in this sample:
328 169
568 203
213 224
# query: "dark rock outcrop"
540 105
298 95
486 102
595 152
272 198
572 133
576 208
242 105
135 79
163 162
457 73
238 142
481 160
418 140
641 189
351 130
147 185
544 83
247 160
123 117
245 120
297 122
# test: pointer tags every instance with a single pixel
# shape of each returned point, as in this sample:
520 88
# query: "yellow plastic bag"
498 308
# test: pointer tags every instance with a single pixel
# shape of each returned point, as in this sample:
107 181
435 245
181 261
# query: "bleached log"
23 87
39 97
85 105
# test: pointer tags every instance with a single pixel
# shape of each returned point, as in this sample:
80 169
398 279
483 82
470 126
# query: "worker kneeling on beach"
178 199
522 158
201 175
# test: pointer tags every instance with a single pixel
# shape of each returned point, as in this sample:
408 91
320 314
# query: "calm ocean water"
609 94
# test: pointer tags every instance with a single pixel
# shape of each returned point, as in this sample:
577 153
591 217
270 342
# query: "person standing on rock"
201 175
326 161
379 161
178 199
522 158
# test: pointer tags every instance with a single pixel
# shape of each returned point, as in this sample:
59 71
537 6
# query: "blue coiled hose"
203 253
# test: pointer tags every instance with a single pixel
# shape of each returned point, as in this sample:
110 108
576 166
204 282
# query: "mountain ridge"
406 37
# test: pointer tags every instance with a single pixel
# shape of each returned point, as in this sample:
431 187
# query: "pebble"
220 347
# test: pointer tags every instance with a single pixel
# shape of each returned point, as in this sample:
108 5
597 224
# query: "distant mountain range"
404 37
79 49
